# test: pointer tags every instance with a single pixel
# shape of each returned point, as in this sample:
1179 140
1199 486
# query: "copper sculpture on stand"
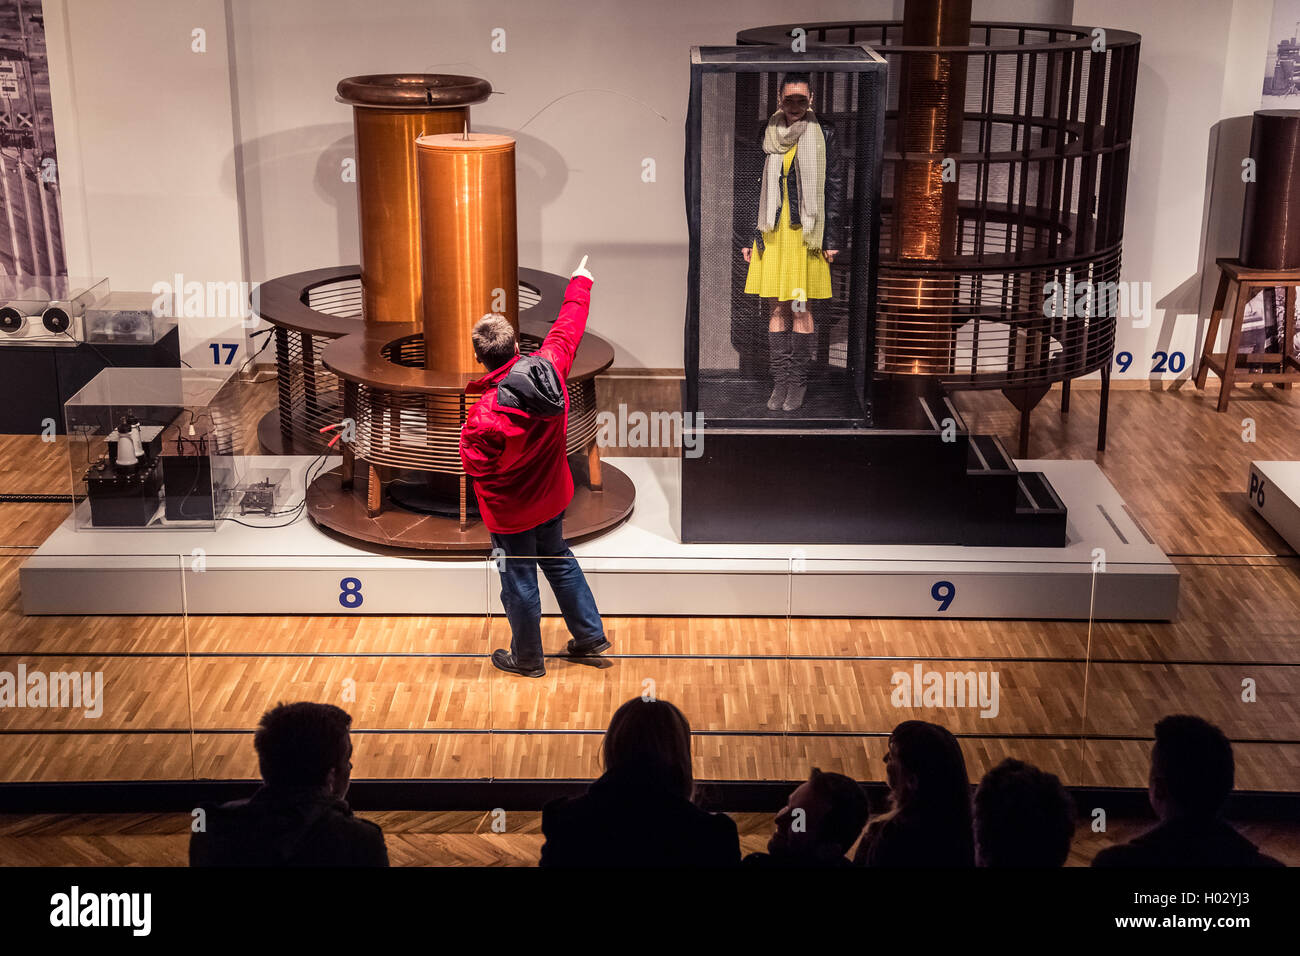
443 201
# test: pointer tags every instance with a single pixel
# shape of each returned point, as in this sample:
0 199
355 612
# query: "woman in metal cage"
797 232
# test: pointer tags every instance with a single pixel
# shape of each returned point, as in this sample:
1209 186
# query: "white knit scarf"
778 139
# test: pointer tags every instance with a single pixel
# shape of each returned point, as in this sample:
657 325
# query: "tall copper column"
390 111
931 109
470 245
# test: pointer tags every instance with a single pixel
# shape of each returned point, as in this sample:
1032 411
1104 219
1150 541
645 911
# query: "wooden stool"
1239 284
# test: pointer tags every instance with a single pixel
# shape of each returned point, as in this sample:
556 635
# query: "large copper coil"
1270 227
931 100
470 245
390 112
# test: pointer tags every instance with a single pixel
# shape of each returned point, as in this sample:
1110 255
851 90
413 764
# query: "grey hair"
494 340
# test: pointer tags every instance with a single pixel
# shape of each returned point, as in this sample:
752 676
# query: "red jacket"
518 461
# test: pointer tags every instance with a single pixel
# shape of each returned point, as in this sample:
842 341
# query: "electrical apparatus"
48 310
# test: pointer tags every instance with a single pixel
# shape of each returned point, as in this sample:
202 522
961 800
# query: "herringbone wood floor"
766 696
459 838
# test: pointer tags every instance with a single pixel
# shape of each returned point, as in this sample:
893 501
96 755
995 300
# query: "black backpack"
534 386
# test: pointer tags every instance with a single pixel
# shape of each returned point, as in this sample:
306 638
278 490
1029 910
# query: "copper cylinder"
931 109
1270 227
470 246
390 111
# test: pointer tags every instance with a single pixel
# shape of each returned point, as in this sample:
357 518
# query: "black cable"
267 332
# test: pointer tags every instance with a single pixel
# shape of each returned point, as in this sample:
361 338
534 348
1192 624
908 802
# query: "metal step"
1035 495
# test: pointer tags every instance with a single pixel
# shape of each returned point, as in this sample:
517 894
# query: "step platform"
1109 569
909 473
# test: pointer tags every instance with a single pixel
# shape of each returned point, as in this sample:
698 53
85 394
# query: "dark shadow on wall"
269 161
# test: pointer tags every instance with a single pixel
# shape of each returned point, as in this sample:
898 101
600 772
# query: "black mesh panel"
730 366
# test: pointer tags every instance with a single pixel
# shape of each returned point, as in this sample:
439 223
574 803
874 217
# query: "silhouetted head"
821 818
1023 817
926 770
651 739
1191 768
305 745
495 342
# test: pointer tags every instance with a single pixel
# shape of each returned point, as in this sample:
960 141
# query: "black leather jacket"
833 198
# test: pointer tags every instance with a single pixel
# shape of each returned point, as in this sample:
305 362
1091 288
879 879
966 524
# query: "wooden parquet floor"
452 838
767 697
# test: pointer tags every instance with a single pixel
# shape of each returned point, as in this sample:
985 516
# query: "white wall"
1200 63
144 133
581 85
153 135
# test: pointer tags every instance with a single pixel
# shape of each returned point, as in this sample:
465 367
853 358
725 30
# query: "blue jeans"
524 551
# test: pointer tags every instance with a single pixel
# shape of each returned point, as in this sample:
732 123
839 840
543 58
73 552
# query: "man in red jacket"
513 446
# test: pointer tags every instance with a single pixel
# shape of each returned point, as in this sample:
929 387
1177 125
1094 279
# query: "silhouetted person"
299 816
1023 818
640 812
929 821
820 821
1190 780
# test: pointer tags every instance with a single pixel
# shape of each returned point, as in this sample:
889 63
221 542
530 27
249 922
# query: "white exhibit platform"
1273 488
1109 569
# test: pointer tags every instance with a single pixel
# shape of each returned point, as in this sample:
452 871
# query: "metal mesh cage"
784 311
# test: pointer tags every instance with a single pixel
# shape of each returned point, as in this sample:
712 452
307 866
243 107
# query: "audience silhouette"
820 821
640 812
299 816
1192 774
928 823
1023 818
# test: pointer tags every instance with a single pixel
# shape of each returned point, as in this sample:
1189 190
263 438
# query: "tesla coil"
378 358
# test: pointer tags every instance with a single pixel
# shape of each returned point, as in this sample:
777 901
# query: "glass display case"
151 447
127 318
47 310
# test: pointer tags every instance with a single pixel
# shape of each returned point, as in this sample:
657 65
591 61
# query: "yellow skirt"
787 270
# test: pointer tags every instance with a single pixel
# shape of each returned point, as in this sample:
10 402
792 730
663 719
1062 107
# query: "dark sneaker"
587 650
505 661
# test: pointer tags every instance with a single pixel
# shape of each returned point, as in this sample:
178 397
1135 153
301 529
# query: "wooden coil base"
345 512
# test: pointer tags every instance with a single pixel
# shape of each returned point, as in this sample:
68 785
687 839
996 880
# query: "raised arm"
561 343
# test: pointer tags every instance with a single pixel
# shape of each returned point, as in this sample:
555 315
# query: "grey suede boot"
801 355
778 351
